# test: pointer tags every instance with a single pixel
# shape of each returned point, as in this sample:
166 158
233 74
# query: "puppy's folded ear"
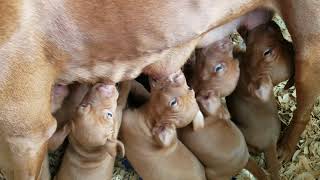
226 45
84 108
262 89
177 78
115 146
58 137
198 121
120 149
164 134
154 83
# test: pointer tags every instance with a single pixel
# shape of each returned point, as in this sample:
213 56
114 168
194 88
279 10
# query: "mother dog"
43 42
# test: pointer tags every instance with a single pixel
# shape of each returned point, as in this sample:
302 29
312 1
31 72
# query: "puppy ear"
58 137
154 83
198 121
273 27
198 53
177 78
113 146
84 108
164 134
199 60
120 149
209 105
238 53
226 45
263 90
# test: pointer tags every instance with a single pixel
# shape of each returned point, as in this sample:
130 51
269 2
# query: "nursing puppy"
69 105
149 132
267 61
93 134
220 145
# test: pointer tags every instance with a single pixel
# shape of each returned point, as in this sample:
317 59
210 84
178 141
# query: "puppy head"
216 69
269 53
172 100
94 122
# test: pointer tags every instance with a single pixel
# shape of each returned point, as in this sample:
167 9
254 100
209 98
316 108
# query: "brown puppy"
265 43
215 69
66 111
252 105
93 134
149 132
220 145
69 106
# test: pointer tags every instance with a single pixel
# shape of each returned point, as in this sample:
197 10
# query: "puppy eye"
83 105
218 68
267 52
108 115
173 102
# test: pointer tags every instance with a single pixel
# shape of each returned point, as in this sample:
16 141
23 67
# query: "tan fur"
90 155
72 40
69 106
149 133
206 79
220 145
252 105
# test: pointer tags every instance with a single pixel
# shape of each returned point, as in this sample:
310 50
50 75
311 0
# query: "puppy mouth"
205 95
